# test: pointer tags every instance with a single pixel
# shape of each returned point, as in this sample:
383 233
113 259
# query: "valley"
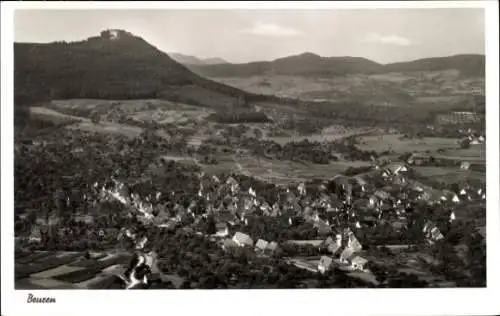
220 166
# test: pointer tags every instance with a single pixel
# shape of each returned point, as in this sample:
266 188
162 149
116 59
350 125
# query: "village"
360 226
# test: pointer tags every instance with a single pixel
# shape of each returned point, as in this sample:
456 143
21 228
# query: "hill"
114 65
306 64
468 65
309 64
192 60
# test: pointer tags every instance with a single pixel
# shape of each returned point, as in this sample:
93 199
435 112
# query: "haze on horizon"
238 36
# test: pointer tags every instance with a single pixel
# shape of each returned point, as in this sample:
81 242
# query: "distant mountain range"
192 60
118 65
309 64
114 65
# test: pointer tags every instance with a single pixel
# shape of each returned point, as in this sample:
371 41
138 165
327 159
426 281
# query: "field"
401 145
108 128
441 88
281 172
276 171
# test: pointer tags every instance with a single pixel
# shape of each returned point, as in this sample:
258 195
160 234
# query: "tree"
465 144
258 133
211 227
95 118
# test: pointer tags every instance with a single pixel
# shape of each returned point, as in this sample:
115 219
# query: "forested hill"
114 65
309 64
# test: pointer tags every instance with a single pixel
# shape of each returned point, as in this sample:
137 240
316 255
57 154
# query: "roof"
312 242
229 243
261 244
418 155
333 248
396 167
354 244
329 240
220 226
381 194
347 253
359 260
273 246
243 239
325 261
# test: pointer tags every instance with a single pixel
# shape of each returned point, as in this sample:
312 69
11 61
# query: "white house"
229 244
242 239
452 217
36 234
359 263
325 264
353 243
261 245
272 247
346 255
222 230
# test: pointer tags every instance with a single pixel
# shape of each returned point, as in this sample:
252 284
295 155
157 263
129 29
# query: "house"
229 244
381 195
465 165
432 233
272 247
399 225
325 264
171 225
242 239
276 210
323 227
266 208
395 168
141 243
346 255
314 243
225 217
359 263
334 248
450 196
302 189
221 230
418 159
261 245
452 216
35 235
353 243
358 184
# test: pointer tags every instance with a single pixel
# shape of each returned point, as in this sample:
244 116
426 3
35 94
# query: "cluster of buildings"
343 206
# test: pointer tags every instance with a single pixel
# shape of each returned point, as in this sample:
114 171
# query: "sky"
239 36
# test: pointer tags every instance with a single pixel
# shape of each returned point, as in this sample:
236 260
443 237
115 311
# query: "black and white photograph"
249 149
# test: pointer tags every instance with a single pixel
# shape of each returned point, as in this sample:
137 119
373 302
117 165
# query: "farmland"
441 88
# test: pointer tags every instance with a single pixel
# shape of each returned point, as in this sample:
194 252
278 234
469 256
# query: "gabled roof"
229 243
261 244
418 155
396 167
272 246
221 226
329 240
325 261
381 194
354 243
243 239
347 254
333 248
359 260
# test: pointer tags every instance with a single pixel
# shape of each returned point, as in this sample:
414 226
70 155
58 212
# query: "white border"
257 302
